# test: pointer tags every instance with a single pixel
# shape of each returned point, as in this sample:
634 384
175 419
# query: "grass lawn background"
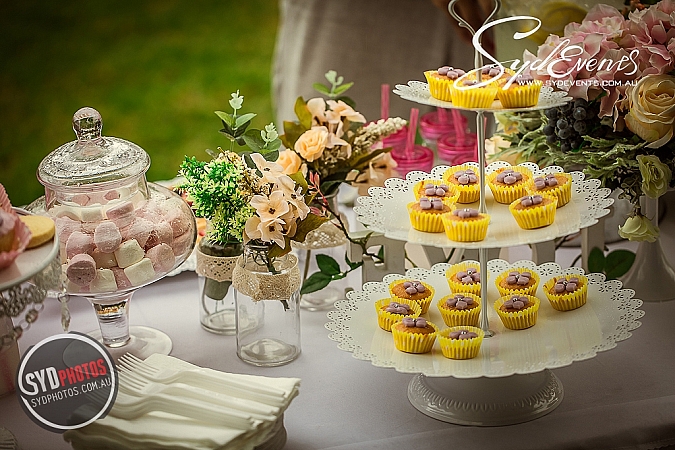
155 70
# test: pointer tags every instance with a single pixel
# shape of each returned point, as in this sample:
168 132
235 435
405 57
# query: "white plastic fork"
138 386
129 407
205 378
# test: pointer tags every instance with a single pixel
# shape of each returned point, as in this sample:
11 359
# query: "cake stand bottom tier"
486 401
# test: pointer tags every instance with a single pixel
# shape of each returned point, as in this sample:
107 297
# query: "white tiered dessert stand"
510 381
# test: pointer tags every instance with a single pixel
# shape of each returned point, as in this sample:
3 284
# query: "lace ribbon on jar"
266 285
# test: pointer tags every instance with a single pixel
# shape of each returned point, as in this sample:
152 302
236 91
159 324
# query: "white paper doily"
418 91
385 211
557 340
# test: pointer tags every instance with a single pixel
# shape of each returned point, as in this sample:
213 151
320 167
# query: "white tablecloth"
623 398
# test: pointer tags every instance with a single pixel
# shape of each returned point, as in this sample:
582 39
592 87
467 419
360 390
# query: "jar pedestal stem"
118 337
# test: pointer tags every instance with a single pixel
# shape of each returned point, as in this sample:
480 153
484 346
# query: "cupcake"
517 282
465 180
389 312
459 309
414 335
466 225
508 184
463 278
415 290
555 184
534 211
425 214
567 292
441 81
517 311
522 93
467 94
431 189
462 342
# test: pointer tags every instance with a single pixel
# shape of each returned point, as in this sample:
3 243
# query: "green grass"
155 70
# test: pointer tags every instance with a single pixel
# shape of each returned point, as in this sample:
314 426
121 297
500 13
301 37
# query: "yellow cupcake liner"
562 191
423 303
414 342
460 348
475 97
449 200
506 194
386 319
457 287
453 318
535 216
520 96
532 290
518 320
567 301
438 87
467 193
465 230
429 222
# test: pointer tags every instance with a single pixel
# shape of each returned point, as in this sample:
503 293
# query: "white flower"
639 228
340 109
272 207
236 101
656 176
271 171
317 108
270 231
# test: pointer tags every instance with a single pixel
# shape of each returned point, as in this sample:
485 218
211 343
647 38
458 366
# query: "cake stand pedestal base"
486 401
143 342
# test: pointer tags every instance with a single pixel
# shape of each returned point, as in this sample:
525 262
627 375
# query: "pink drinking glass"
420 158
435 124
456 151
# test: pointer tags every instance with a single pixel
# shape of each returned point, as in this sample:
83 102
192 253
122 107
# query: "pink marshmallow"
121 278
162 258
79 243
107 237
122 214
65 226
179 221
81 269
183 243
139 230
80 199
161 234
111 195
149 209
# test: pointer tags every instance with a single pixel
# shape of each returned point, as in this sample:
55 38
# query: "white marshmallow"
104 260
128 253
104 281
93 213
141 272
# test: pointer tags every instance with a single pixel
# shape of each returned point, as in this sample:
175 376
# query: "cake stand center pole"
480 132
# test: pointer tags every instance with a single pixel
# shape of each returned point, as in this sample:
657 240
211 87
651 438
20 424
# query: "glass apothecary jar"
117 231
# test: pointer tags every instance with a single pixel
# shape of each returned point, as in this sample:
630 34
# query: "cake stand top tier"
558 339
384 211
418 92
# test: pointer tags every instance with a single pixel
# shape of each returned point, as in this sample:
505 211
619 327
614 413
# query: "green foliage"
614 265
329 270
155 70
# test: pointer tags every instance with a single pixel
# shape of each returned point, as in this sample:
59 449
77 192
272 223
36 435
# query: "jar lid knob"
87 124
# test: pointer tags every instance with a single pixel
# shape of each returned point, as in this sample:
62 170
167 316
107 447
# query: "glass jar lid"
92 158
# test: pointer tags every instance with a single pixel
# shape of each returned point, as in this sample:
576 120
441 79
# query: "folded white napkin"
170 431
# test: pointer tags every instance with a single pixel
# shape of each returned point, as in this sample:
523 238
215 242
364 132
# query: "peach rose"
651 112
311 144
290 161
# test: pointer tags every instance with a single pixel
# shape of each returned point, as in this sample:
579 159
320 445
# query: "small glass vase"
267 312
215 263
328 240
